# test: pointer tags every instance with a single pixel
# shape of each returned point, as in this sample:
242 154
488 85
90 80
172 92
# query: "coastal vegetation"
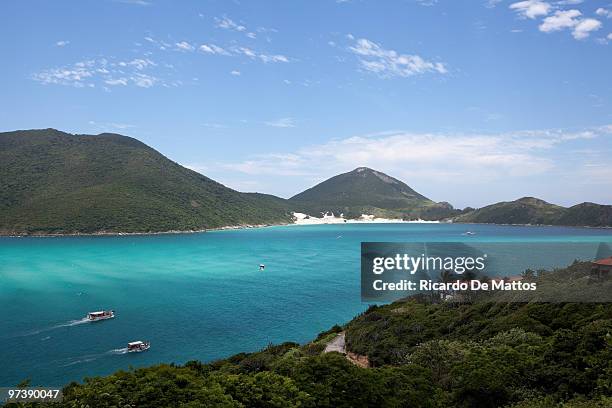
530 210
419 354
367 191
54 183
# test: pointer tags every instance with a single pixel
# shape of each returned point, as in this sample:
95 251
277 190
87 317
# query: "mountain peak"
362 191
365 171
532 201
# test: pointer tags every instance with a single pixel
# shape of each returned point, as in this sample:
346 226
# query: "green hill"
587 214
367 191
526 210
53 182
529 210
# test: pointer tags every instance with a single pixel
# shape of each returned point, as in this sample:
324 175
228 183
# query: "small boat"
262 267
138 346
469 233
101 315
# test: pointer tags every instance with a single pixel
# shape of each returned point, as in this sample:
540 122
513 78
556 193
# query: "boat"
469 233
100 315
138 346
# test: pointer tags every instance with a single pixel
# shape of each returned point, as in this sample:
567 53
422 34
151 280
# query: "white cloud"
135 2
75 75
562 19
246 51
228 24
569 2
584 28
162 45
570 19
281 123
266 30
609 37
144 80
603 12
266 58
102 71
472 165
184 46
492 3
111 127
62 43
531 8
517 153
214 126
426 3
236 72
213 49
273 58
117 81
389 63
137 63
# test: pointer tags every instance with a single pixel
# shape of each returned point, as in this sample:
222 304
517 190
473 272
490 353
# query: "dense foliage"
529 210
513 355
494 354
591 214
53 182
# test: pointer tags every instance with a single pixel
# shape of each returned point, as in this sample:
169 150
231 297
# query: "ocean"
194 296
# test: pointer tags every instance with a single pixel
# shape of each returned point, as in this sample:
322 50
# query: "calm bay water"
194 296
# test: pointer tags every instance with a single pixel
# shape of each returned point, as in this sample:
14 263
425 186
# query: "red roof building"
604 262
601 268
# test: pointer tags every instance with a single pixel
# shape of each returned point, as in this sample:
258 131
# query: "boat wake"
69 323
92 357
82 359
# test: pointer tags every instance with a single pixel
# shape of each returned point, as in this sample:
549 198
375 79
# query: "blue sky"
470 102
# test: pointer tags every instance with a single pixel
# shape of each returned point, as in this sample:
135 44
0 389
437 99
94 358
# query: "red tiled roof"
604 261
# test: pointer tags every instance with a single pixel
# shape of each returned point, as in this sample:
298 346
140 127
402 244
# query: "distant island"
56 183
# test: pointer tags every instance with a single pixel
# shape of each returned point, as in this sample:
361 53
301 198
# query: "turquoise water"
194 296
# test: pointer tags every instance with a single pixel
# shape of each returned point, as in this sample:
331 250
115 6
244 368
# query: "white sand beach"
330 218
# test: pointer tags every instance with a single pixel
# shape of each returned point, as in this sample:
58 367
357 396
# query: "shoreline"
119 234
254 226
299 219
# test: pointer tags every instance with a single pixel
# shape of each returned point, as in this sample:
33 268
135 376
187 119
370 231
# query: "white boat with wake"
100 315
138 346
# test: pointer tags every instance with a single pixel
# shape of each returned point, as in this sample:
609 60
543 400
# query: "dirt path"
338 344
